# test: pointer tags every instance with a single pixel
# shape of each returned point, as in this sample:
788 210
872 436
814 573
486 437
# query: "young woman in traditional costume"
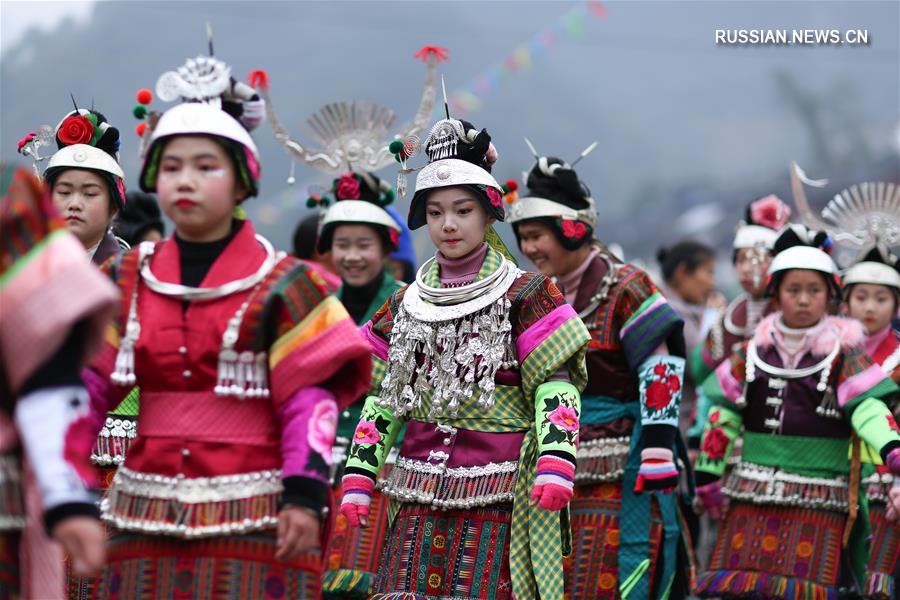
627 541
85 179
802 393
87 188
244 358
484 363
357 234
752 253
872 296
55 307
360 235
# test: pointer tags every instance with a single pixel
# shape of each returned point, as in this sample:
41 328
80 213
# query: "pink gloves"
712 499
553 485
893 462
657 472
357 498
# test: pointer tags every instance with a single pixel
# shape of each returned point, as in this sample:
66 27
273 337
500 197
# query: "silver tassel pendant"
227 377
124 374
401 184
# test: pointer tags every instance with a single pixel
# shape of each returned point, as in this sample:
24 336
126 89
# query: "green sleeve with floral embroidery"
373 439
873 422
721 431
557 411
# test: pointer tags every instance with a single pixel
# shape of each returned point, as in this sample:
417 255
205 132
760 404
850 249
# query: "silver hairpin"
584 153
531 147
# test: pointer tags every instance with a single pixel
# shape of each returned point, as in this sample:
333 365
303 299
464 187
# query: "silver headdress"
354 135
31 145
866 219
206 80
861 217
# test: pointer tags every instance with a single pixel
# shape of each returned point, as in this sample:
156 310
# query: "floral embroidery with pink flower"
564 417
494 196
366 433
322 428
574 229
347 187
395 236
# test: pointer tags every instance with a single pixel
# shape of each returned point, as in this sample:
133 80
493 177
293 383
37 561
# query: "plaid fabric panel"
565 346
379 370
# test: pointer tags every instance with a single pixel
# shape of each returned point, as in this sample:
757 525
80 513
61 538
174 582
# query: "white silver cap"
752 236
802 257
872 272
358 211
201 119
448 172
83 156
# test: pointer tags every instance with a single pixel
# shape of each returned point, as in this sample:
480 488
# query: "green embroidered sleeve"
721 431
875 424
373 439
557 411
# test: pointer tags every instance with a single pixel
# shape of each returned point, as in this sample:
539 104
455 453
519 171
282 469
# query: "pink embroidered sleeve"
308 426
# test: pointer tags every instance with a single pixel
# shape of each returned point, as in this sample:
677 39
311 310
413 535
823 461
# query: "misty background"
689 132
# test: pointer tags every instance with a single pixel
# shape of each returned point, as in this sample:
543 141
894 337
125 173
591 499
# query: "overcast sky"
18 16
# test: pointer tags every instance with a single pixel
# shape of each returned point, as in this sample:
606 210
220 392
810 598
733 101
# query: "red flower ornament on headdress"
494 196
770 212
75 129
574 229
395 236
347 187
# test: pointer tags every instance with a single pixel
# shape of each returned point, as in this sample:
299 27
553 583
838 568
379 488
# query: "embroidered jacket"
796 421
206 464
485 455
887 355
47 287
626 328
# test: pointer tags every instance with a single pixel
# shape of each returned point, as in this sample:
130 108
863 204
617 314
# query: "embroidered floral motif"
366 433
892 422
564 417
660 379
661 391
560 421
368 439
322 429
715 443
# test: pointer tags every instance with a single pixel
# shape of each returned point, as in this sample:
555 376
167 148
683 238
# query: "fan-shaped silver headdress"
354 135
859 217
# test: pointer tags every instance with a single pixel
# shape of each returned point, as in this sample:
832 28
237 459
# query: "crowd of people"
197 414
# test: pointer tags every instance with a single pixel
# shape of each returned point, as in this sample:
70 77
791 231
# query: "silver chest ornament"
463 336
